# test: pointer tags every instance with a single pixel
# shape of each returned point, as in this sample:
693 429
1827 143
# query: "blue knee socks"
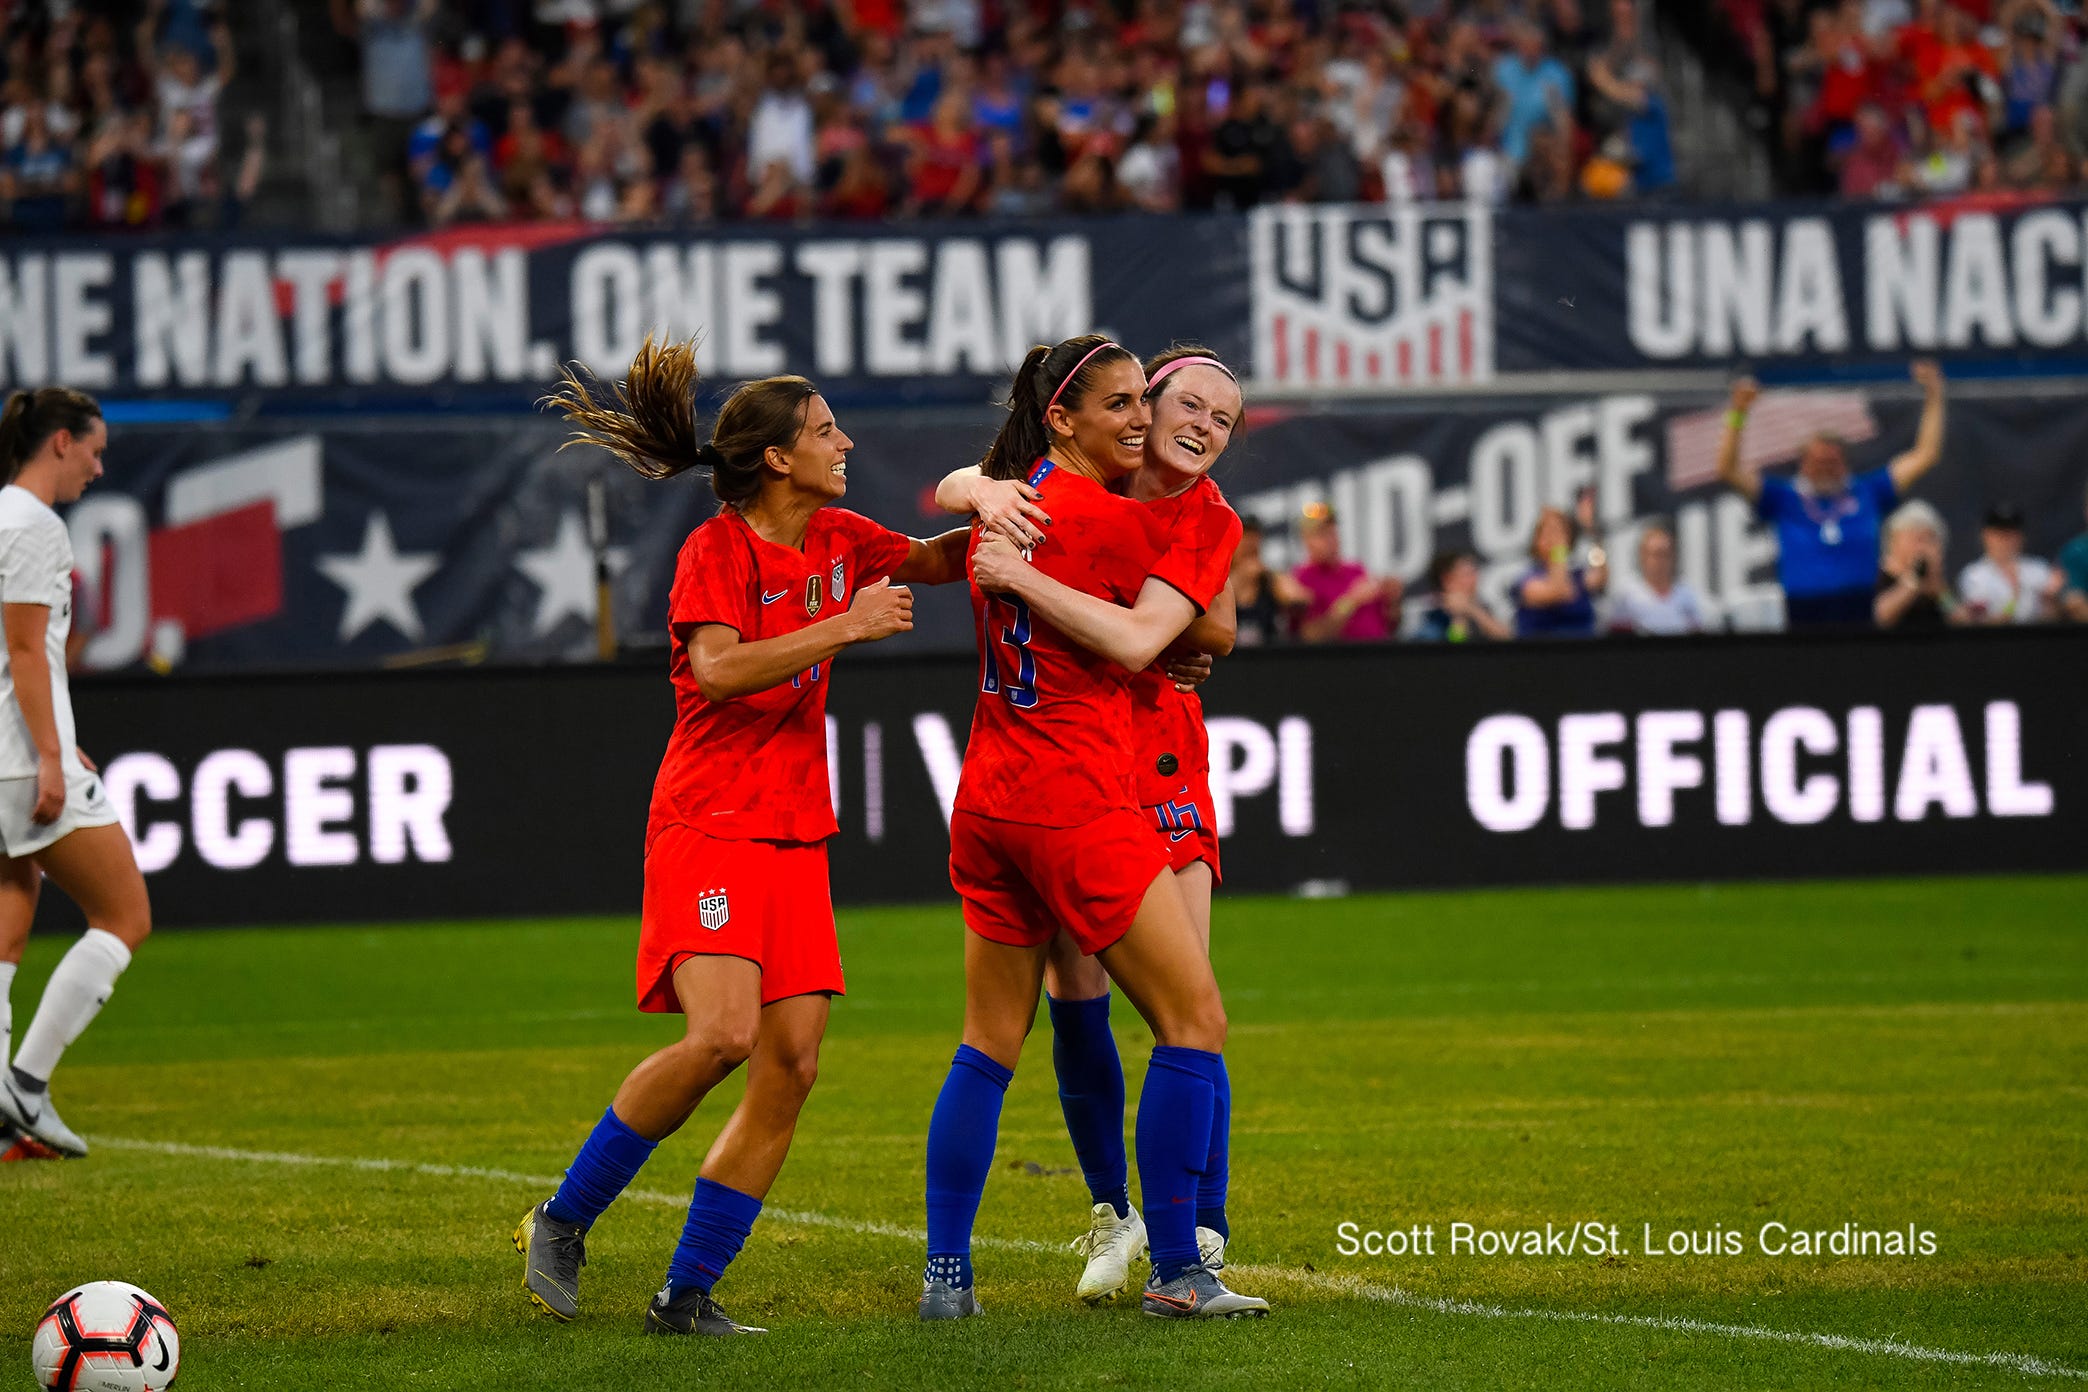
1210 1191
608 1161
1091 1093
1174 1144
719 1220
961 1136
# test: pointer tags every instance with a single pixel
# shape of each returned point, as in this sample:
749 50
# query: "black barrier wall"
492 793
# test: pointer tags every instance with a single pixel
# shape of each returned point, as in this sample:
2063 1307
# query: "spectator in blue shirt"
1554 598
1828 523
1536 89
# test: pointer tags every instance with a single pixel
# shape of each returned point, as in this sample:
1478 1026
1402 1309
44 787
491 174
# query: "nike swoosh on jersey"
1179 835
767 598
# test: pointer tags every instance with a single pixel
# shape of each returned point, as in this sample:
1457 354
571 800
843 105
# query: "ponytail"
648 420
1048 375
32 417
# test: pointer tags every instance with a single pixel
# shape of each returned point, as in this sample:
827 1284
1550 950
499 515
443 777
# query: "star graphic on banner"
380 581
564 574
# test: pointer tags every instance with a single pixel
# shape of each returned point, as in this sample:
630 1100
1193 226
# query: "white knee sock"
73 997
7 971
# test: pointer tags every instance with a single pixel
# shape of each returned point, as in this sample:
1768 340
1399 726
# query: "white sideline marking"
2027 1364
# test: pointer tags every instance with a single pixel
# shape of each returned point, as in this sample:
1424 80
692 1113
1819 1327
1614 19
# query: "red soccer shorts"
766 901
1020 884
1188 827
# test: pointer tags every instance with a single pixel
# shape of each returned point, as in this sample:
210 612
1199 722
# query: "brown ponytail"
1064 371
32 417
648 420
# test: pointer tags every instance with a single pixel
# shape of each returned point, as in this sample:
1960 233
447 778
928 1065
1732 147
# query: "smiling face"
817 461
1108 427
1824 466
1194 415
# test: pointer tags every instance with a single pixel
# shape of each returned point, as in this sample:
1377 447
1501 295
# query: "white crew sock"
72 998
7 971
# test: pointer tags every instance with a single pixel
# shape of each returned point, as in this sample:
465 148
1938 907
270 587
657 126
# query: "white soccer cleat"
1210 1248
32 1114
1110 1244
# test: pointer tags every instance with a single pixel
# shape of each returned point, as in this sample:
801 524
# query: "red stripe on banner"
1341 361
218 573
1406 361
1374 365
1312 355
1435 351
1279 334
1464 345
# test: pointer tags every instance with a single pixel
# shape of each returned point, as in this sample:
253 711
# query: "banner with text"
486 314
422 795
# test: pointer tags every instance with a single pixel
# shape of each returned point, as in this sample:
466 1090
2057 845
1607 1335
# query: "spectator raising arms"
2004 586
1344 602
1656 602
1912 593
1828 523
1555 598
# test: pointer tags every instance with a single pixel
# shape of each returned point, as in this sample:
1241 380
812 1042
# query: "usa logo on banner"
1373 296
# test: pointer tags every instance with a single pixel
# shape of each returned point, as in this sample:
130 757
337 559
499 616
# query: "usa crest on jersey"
838 582
712 910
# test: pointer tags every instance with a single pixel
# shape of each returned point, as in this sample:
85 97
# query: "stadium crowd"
1892 98
109 118
651 112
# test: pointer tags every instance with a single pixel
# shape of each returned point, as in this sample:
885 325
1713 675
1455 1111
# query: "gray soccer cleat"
1198 1294
553 1253
32 1114
1210 1248
693 1313
942 1301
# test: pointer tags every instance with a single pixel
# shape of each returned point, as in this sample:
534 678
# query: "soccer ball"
106 1336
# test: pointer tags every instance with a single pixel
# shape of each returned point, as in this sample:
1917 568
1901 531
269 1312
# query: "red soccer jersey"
1205 532
1051 738
755 768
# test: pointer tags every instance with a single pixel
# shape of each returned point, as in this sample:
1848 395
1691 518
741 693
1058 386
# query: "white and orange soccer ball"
106 1336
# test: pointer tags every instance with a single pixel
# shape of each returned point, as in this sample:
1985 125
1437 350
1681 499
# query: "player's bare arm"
937 561
25 625
1132 638
726 667
1741 480
1927 449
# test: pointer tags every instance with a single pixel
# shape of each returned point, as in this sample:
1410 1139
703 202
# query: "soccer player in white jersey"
54 818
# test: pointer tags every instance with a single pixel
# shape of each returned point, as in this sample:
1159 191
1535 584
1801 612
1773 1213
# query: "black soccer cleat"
693 1313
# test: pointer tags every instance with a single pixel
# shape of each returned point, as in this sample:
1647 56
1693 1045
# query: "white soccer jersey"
36 563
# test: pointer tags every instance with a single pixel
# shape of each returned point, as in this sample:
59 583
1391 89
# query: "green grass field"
1882 1053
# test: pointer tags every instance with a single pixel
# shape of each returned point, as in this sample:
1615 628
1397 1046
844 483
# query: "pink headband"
1076 372
1158 377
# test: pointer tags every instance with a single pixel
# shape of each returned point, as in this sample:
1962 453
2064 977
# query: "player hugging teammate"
1057 868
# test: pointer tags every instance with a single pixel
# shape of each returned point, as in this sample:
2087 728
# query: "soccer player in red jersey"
738 922
1046 833
1196 405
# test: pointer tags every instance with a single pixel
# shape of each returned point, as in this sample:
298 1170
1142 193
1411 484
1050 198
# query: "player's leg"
1091 1095
1213 1229
1001 981
1166 973
19 882
94 866
742 1165
721 997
